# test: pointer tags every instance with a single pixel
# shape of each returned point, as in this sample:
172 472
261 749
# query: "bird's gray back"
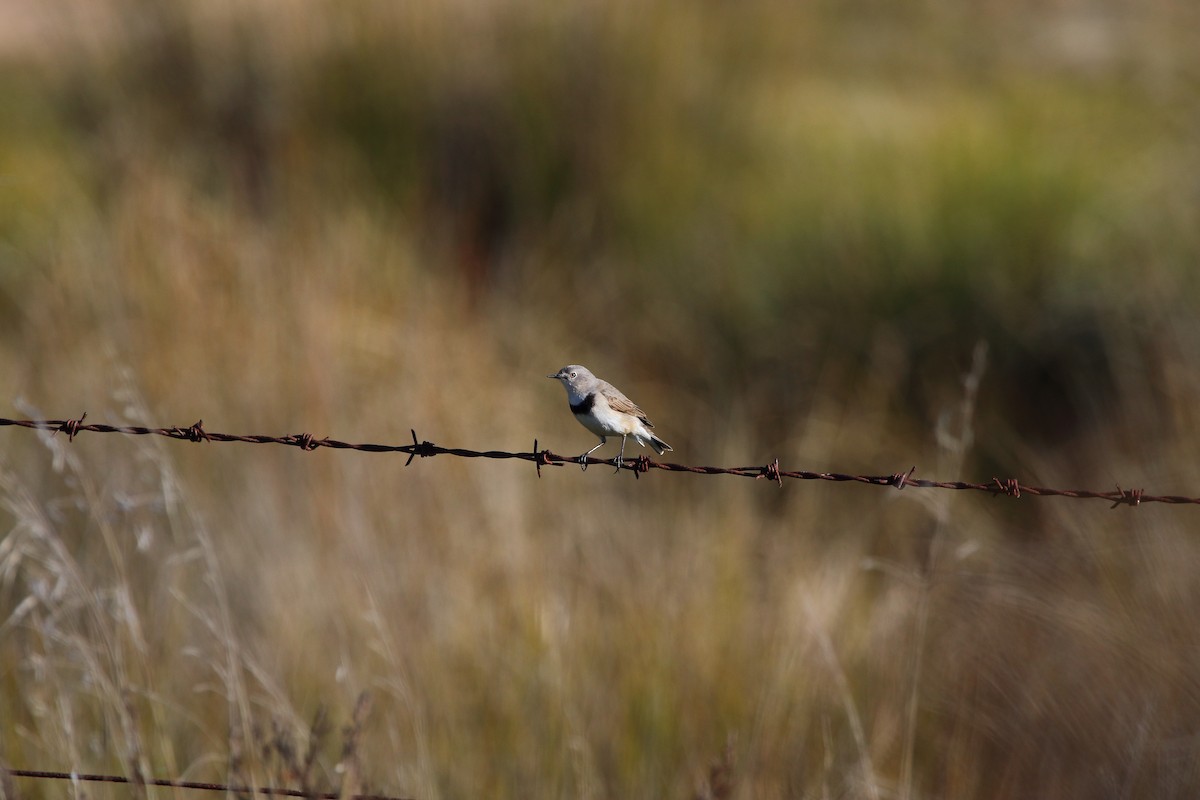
617 401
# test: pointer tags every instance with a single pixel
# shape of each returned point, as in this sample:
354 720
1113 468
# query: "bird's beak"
551 376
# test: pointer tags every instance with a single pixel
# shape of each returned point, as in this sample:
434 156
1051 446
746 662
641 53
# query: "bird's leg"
621 455
583 458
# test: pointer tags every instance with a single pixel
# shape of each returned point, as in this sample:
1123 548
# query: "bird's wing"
622 404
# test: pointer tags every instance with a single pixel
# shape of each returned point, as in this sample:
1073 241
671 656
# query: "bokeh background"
855 236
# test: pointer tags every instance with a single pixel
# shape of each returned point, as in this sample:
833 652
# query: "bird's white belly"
603 421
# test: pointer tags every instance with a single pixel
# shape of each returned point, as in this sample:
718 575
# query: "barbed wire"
1009 487
195 785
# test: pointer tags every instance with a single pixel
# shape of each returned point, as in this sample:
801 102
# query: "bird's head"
573 376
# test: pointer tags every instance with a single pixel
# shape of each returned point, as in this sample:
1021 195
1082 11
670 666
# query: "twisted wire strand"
1009 487
195 785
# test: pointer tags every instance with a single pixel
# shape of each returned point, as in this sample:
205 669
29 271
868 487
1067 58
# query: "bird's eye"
572 374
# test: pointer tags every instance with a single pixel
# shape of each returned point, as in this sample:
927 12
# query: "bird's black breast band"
585 406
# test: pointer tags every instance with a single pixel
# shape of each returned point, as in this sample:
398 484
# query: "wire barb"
901 479
194 433
1130 497
71 427
424 449
640 465
305 441
771 473
1009 486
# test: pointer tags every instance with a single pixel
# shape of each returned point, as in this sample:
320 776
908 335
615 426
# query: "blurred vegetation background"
855 236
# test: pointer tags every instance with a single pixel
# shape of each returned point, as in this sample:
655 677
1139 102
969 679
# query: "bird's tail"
659 445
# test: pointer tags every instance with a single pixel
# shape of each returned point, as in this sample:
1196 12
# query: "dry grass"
781 229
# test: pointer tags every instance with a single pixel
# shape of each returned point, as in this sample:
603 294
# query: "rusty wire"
195 785
1009 487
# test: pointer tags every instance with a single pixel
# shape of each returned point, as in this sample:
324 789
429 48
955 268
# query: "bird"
605 411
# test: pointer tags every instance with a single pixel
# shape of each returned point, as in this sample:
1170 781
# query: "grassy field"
853 237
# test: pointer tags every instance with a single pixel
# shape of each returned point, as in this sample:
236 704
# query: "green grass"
781 230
